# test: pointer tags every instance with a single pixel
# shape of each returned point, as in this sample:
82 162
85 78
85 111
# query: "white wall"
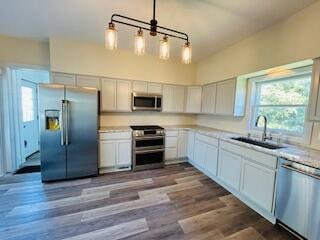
294 39
24 52
71 56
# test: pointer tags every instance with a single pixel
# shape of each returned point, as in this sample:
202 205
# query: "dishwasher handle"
289 167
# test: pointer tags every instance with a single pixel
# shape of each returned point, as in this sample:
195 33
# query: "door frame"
11 113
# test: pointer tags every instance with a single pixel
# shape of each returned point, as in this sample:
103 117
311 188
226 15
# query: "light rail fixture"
111 36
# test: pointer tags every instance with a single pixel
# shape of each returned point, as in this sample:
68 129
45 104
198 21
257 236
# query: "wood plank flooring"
176 202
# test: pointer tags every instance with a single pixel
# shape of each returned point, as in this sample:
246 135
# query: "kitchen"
181 149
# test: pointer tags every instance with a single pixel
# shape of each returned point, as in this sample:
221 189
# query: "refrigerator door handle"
67 104
62 127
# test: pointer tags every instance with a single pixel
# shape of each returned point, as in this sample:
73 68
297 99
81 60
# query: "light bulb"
186 53
164 48
139 43
111 37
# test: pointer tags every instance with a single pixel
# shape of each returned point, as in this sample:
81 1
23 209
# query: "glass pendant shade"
111 37
186 53
139 43
164 48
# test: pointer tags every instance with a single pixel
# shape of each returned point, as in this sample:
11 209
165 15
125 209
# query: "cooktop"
144 127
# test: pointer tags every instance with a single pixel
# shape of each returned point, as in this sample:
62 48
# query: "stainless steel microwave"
146 102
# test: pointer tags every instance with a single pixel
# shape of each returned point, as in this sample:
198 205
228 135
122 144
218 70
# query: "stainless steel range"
148 147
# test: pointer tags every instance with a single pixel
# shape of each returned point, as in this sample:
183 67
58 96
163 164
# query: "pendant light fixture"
111 37
186 53
164 48
139 43
154 29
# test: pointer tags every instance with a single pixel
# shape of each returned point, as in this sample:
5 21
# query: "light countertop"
304 155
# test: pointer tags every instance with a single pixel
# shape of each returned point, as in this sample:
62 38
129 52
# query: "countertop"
115 129
304 155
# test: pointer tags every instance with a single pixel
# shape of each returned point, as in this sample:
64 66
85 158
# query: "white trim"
289 137
2 162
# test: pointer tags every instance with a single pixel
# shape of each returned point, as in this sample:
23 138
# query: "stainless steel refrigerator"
68 131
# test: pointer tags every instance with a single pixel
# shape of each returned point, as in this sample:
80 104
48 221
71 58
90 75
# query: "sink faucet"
264 134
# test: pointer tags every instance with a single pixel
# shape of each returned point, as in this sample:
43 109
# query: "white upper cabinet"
209 93
139 86
225 97
155 88
88 81
108 94
173 98
63 78
231 97
123 95
193 99
314 112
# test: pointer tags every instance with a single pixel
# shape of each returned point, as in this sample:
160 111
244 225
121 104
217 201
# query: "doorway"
27 131
29 121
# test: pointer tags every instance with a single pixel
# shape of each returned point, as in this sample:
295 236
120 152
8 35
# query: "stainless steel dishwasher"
298 198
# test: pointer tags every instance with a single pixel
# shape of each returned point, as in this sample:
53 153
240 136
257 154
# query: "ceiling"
211 24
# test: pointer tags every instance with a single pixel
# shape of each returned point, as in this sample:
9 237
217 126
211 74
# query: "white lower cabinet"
211 160
258 184
206 153
190 145
115 151
230 169
182 144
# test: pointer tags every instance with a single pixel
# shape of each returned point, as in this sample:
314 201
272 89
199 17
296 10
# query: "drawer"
171 133
252 155
115 136
233 148
171 142
209 140
171 153
261 158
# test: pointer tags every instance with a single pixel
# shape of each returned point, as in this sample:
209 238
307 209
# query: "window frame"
289 136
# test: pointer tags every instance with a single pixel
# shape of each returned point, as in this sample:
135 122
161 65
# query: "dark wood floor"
177 202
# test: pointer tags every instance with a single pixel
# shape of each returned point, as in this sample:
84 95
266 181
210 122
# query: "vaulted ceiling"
211 24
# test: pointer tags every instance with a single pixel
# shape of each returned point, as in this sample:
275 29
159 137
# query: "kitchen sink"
258 143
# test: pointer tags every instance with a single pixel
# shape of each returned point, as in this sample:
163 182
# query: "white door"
29 118
108 94
182 144
108 153
123 153
123 96
194 99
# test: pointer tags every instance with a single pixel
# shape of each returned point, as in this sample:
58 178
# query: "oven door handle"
148 138
150 151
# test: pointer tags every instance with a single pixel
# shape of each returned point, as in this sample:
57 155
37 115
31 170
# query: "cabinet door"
124 153
179 99
211 159
123 95
193 99
225 97
107 154
168 98
171 153
199 152
230 168
108 94
65 79
258 185
182 144
155 88
88 81
209 99
140 86
191 136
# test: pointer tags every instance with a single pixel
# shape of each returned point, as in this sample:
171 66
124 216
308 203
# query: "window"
284 101
27 98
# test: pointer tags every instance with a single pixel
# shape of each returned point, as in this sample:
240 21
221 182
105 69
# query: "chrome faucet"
264 134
